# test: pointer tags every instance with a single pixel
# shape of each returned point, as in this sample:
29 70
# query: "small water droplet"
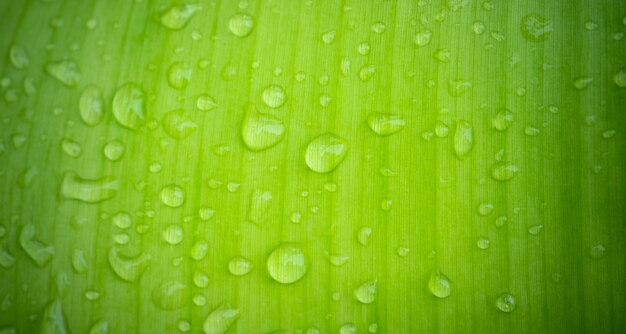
91 105
205 103
79 264
441 129
478 27
366 292
178 124
65 71
503 171
200 279
531 131
239 266
171 295
287 263
348 328
88 190
179 75
485 209
241 25
439 285
326 152
501 221
367 72
506 303
442 55
199 250
128 268
403 251
328 37
172 196
582 83
71 148
378 27
129 106
177 17
363 235
536 28
53 319
482 243
173 234
385 124
39 252
502 120
18 56
100 327
458 87
463 139
363 48
114 150
535 229
597 251
456 5
619 78
220 320
261 131
423 38
274 96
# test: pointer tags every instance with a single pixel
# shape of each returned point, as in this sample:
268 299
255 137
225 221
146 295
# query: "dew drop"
88 190
172 196
71 148
363 235
53 320
241 25
582 83
423 38
177 17
274 96
128 268
18 56
173 234
482 243
179 75
171 295
205 103
91 106
261 131
439 285
39 252
502 120
114 150
463 139
65 71
366 292
129 106
503 171
178 124
287 263
367 72
325 153
220 320
385 124
239 266
506 303
619 78
536 28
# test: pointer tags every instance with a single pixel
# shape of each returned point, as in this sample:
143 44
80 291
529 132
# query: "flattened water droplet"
274 96
502 120
88 190
171 295
506 303
478 27
53 320
423 38
172 196
199 250
442 55
463 139
582 83
261 131
179 75
366 292
535 229
485 209
259 205
385 124
178 124
325 153
205 103
177 17
241 25
378 27
536 28
531 131
220 320
6 259
114 150
439 285
65 71
91 105
239 266
501 221
173 234
71 148
129 106
39 252
338 260
503 171
482 243
18 56
348 328
287 263
367 72
79 264
128 268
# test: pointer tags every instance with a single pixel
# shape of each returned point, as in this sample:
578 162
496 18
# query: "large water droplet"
18 56
220 320
274 96
439 285
53 320
261 131
463 139
171 295
366 292
178 124
241 25
91 105
325 153
385 124
65 71
128 268
88 190
536 28
129 106
506 303
177 17
239 266
287 263
502 120
39 252
172 196
503 171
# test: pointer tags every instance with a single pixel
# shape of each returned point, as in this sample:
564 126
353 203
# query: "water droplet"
199 250
206 213
345 66
88 190
239 266
274 96
367 72
328 37
261 131
457 88
439 285
535 229
172 196
502 120
463 139
456 5
53 320
178 124
482 243
92 295
79 264
441 129
485 209
442 55
366 292
582 83
171 295
200 279
177 17
65 71
378 27
114 150
173 234
206 103
478 27
91 105
348 328
423 38
128 268
597 251
241 25
71 148
619 78
100 327
373 328
385 124
39 252
363 48
129 106
18 56
531 131
503 171
259 205
338 260
506 303
220 320
183 326
536 28
287 263
501 221
326 152
179 75
363 235
233 187
608 134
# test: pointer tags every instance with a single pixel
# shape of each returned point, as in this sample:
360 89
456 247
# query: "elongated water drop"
506 303
91 105
53 320
367 72
88 190
385 124
18 56
171 295
366 292
39 252
128 268
458 87
261 131
65 71
259 205
177 17
79 264
503 171
325 153
239 266
287 263
178 124
439 285
220 320
536 28
129 106
463 139
241 25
